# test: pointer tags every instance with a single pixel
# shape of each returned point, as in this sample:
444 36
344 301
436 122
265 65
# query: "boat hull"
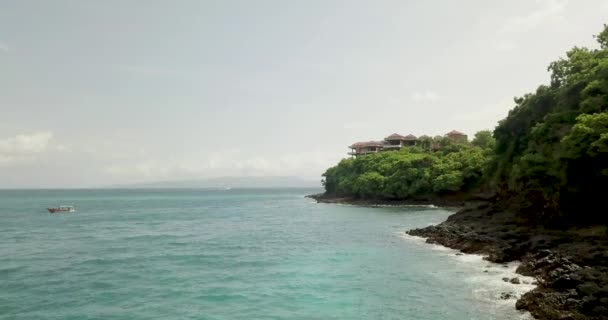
59 210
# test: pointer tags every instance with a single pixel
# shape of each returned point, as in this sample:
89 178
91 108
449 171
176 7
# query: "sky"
98 93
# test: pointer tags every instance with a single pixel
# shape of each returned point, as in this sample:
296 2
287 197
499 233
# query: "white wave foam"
486 277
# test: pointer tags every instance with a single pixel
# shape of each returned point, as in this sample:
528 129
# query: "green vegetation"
413 172
552 150
549 157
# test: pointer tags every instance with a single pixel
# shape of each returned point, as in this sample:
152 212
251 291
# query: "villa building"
393 142
396 141
363 148
456 136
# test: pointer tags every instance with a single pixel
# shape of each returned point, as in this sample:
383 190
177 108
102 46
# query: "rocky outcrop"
571 266
453 201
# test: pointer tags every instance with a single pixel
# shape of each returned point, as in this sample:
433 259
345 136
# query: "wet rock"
588 288
570 265
515 280
507 295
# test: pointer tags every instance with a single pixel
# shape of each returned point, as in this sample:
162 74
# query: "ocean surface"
233 254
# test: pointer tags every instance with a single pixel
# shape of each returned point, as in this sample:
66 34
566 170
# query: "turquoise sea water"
231 254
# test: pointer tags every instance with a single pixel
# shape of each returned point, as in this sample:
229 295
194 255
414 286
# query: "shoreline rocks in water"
435 201
571 266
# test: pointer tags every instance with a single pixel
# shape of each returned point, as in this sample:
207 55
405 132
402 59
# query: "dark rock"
570 266
588 288
505 279
515 281
507 295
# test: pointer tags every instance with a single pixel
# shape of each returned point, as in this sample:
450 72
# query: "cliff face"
547 177
571 266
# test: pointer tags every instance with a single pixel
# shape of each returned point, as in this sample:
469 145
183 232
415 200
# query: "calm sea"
232 254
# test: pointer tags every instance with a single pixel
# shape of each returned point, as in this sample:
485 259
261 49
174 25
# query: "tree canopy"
412 172
548 157
551 149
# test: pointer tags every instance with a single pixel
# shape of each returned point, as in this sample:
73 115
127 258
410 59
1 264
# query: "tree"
409 173
484 140
588 137
550 153
602 37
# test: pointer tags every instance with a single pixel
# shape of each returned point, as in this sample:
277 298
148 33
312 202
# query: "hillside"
546 177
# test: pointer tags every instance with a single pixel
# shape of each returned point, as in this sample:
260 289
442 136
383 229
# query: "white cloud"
224 163
425 96
546 10
24 146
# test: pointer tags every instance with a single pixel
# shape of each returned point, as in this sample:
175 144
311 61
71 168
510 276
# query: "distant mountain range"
232 182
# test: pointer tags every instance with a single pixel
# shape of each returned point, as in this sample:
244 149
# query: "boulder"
507 295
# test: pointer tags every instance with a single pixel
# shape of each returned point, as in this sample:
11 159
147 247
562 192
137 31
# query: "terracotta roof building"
396 141
393 142
363 148
456 136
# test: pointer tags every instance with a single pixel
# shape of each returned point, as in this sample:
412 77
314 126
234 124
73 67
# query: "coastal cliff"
532 191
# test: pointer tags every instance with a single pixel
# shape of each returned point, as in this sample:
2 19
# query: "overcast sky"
96 93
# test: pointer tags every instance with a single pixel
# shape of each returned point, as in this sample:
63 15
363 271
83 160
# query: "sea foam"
486 278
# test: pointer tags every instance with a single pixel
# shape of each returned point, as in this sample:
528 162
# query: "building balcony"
391 146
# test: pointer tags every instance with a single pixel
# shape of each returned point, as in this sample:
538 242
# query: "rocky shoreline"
457 202
570 266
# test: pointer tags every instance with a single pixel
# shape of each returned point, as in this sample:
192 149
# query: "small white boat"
61 209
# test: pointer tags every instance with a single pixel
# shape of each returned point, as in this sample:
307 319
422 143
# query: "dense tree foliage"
413 172
484 140
548 157
551 150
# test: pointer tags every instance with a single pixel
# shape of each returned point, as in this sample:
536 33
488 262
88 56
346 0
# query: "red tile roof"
395 136
454 132
367 144
410 137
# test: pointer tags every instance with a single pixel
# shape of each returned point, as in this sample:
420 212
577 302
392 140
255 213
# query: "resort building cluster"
396 141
